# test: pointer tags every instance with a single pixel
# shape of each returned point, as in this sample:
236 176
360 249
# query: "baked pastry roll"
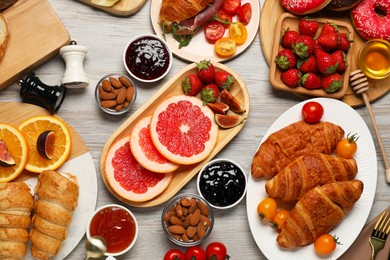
58 195
307 172
284 146
318 212
16 203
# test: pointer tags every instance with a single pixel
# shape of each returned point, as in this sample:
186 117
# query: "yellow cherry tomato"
325 244
267 209
238 32
280 218
225 47
347 147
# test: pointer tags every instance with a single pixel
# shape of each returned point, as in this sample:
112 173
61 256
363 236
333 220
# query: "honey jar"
374 59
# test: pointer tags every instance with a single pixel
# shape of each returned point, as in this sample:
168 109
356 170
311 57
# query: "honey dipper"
359 83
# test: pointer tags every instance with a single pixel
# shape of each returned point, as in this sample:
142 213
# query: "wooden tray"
120 8
185 173
36 35
269 15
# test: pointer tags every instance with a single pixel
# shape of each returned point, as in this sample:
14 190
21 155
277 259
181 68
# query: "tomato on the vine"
312 112
347 147
231 6
238 32
245 13
280 218
174 254
216 251
214 30
195 253
224 17
225 47
325 244
267 208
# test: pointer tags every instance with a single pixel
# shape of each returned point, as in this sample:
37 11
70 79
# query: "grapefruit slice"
145 152
128 179
183 130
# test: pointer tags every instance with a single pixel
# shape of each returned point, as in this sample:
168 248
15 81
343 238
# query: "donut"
301 7
341 5
371 19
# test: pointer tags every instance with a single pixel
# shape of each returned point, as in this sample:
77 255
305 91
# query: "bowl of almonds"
115 94
187 219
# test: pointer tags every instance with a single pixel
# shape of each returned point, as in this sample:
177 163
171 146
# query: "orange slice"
16 145
33 128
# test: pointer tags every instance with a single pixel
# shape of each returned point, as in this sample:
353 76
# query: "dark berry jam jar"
147 58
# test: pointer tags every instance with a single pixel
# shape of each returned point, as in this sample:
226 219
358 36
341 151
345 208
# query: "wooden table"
105 36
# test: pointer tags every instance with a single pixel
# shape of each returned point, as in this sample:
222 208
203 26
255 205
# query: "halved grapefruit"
183 130
145 152
128 179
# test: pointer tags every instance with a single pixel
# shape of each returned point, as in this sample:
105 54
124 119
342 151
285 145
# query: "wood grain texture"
120 8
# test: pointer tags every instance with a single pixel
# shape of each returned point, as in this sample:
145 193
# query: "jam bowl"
147 58
222 183
187 219
117 225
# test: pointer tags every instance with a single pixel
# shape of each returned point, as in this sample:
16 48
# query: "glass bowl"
374 59
187 219
115 94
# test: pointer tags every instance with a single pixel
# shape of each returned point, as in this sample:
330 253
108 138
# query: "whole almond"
107 95
108 103
191 231
115 83
119 107
126 104
176 229
168 215
175 221
179 210
203 208
106 85
192 207
206 221
185 202
125 81
185 238
201 230
120 98
194 220
129 94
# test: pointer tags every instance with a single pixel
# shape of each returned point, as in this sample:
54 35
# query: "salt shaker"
74 55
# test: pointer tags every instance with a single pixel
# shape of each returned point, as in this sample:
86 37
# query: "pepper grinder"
74 55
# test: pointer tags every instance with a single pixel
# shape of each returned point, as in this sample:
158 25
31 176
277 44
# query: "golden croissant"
307 172
16 203
318 212
58 195
297 139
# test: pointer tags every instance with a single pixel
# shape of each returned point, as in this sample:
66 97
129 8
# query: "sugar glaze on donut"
301 7
371 19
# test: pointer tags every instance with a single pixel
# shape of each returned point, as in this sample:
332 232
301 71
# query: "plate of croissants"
296 165
190 17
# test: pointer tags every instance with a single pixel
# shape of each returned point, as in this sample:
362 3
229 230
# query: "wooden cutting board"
120 8
36 35
270 13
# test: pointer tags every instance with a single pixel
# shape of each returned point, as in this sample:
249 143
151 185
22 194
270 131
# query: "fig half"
234 105
6 158
45 144
228 121
218 107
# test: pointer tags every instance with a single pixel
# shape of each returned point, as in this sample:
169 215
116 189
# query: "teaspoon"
96 247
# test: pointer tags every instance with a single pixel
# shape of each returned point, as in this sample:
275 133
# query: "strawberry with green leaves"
329 41
329 27
285 59
345 42
209 93
308 26
307 65
326 63
341 58
205 71
191 85
304 46
291 78
223 80
288 38
331 83
311 81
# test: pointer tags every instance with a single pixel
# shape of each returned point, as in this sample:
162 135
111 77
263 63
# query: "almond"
108 103
185 202
126 104
129 94
179 210
120 98
194 220
125 82
203 208
115 83
191 231
175 221
107 95
119 107
107 85
176 229
206 221
201 230
168 215
192 207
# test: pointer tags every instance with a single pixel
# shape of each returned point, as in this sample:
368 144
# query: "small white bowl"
230 187
151 67
112 209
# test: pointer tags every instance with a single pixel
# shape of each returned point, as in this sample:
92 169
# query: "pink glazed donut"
371 19
302 7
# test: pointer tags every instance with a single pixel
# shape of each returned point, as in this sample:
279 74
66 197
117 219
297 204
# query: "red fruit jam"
116 226
147 58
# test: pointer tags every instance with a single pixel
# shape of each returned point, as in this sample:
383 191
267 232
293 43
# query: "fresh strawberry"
205 71
326 63
329 41
307 65
308 26
311 81
209 93
345 42
291 78
286 59
318 46
341 58
191 85
288 37
223 79
328 27
303 46
331 83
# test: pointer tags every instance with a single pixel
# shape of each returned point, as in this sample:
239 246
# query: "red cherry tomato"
214 30
231 6
312 112
245 13
195 253
216 251
174 254
224 16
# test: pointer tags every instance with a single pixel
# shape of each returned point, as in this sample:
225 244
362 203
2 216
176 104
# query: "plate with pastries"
188 20
296 165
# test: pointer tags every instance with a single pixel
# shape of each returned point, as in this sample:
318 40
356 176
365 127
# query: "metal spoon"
96 247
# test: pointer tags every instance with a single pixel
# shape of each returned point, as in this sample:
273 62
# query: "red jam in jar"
147 58
116 226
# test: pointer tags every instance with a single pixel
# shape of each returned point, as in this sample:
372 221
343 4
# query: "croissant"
284 146
58 195
318 212
16 203
308 171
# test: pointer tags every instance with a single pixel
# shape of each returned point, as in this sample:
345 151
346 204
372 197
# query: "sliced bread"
3 36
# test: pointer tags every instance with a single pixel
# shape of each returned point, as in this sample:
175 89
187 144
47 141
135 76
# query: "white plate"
199 48
343 115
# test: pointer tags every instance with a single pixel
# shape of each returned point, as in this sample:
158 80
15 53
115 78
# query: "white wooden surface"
105 36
